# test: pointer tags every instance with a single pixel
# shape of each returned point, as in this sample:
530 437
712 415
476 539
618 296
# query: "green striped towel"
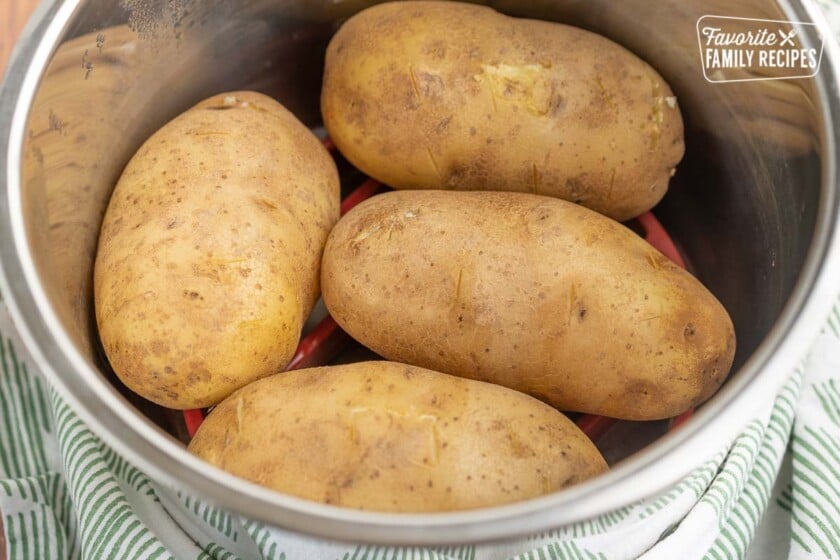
773 493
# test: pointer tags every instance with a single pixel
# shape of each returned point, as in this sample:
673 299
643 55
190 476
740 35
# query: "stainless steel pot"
754 206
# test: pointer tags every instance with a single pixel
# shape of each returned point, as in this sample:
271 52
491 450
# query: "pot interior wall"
742 206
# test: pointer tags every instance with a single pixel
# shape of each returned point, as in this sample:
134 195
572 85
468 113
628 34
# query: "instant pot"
753 208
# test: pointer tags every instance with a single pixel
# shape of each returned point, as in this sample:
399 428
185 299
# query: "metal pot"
754 206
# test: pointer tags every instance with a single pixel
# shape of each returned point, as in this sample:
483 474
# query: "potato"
209 253
392 437
459 97
530 292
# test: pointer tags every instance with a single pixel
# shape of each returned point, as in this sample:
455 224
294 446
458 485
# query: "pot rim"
165 460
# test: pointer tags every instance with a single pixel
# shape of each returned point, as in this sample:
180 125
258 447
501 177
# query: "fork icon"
787 38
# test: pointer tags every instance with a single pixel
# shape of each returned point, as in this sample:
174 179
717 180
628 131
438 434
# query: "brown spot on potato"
159 347
435 49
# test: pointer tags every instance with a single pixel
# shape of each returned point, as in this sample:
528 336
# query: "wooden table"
13 16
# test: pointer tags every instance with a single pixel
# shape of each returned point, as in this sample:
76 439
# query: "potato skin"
209 254
530 292
385 436
444 95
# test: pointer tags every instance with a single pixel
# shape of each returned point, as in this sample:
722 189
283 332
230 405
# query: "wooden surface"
13 16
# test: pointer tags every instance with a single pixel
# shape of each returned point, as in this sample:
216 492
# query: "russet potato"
446 95
209 254
530 292
385 436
